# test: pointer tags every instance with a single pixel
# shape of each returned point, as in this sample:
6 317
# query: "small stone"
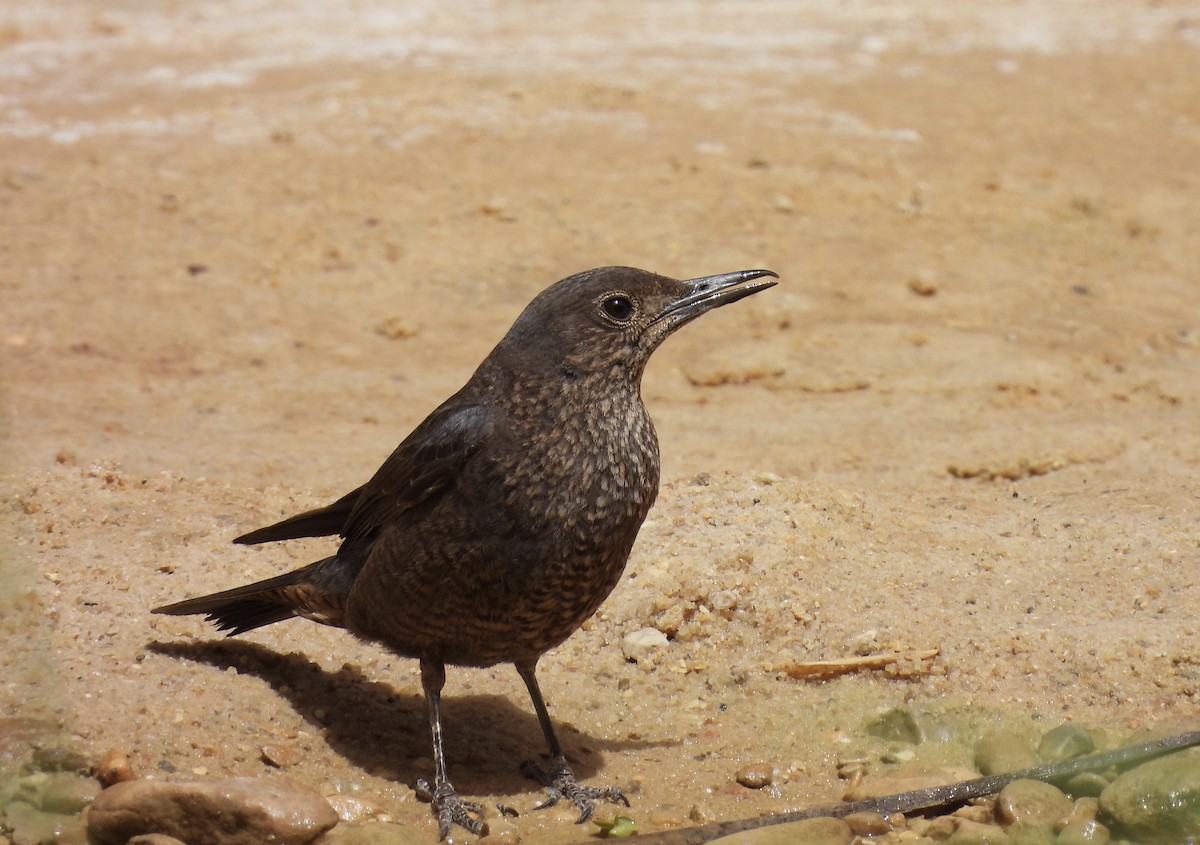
1031 803
867 824
1066 742
1083 832
808 832
239 811
114 767
280 756
1159 801
155 839
898 724
1086 784
756 775
640 644
1084 809
923 282
904 724
68 793
1003 751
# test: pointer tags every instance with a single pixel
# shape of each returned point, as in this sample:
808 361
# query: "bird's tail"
317 592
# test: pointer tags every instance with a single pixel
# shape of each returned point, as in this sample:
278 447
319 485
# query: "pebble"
1030 809
904 724
1159 801
756 775
923 283
1066 742
280 756
867 824
1086 784
114 767
808 832
155 839
1004 751
239 811
1083 832
1084 809
638 645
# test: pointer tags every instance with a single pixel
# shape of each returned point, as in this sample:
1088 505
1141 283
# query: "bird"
504 520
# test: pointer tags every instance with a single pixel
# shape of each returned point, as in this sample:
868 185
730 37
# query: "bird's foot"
560 783
451 810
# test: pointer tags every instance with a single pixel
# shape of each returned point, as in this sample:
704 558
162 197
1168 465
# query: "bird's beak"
709 292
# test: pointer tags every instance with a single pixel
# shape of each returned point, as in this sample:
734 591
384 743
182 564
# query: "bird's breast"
597 471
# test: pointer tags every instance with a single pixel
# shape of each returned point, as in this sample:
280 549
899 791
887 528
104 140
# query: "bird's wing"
420 469
319 522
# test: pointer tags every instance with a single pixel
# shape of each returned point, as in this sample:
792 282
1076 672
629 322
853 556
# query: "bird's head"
610 320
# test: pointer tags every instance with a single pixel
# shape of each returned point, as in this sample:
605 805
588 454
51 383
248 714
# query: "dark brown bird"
504 520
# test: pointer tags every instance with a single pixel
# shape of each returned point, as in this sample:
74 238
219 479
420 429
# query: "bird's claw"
561 784
451 810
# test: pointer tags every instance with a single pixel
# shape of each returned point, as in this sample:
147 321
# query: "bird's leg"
447 806
558 778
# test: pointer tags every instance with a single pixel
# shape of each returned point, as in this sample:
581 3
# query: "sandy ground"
246 247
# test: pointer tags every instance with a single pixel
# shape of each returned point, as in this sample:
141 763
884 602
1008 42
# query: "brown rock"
1004 751
756 775
280 756
867 824
114 767
239 811
1032 803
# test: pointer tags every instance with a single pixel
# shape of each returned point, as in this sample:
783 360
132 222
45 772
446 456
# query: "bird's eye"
617 307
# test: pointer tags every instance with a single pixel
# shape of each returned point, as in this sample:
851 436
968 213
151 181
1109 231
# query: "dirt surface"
247 247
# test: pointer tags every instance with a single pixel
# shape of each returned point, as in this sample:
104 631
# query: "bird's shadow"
387 733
